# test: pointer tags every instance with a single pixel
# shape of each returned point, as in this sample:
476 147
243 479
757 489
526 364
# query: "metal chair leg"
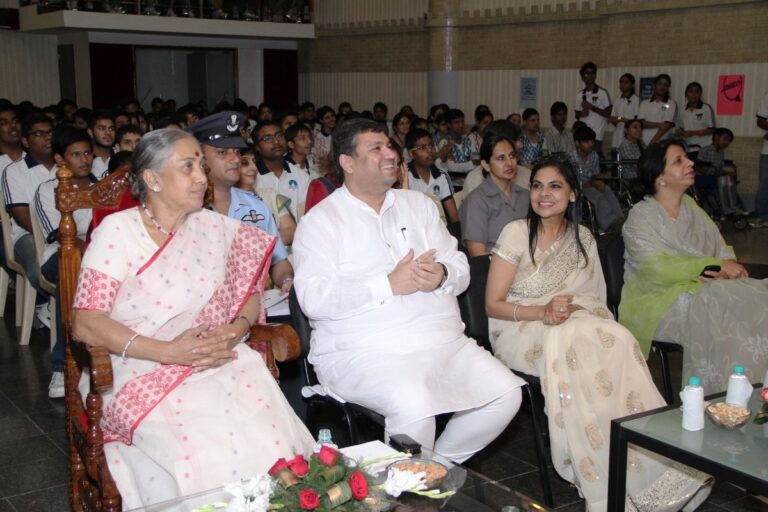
541 452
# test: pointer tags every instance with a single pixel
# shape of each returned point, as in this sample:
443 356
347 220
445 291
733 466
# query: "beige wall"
30 68
500 41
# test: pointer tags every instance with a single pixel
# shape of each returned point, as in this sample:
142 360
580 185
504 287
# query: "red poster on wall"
730 95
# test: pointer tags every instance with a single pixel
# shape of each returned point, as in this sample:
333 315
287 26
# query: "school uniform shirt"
657 112
627 108
247 207
558 142
439 185
586 168
20 181
50 217
697 119
601 99
291 184
100 166
763 112
5 161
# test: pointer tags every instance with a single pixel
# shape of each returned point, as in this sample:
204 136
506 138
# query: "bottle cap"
738 369
324 434
694 382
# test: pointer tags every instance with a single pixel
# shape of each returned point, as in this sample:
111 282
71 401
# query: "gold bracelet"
130 340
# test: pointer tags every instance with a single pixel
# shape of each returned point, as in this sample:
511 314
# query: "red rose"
308 499
299 465
764 395
327 456
359 485
280 464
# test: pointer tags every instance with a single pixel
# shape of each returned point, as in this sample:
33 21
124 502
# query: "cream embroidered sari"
175 432
591 368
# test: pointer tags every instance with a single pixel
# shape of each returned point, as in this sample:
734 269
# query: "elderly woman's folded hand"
203 348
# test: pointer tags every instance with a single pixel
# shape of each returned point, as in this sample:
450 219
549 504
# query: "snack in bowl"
434 471
727 415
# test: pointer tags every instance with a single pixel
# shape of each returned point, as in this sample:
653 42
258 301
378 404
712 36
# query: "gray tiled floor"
33 454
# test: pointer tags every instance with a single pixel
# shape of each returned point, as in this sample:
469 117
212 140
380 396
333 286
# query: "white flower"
400 481
250 496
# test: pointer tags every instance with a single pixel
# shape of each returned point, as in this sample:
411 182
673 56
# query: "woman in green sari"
720 317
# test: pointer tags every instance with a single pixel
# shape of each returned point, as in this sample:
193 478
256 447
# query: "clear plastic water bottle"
324 439
692 397
739 388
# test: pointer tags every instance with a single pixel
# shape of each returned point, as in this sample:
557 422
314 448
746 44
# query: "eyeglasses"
41 133
269 139
424 146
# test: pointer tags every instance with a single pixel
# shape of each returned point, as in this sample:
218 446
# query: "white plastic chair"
49 287
4 285
25 292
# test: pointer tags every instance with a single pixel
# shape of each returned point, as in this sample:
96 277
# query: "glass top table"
737 455
475 493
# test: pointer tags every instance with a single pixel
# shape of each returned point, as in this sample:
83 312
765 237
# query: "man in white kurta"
377 273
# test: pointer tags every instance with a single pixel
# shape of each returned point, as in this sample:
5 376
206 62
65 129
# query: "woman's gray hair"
152 152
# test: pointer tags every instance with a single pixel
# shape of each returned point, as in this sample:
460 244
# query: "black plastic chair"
611 251
349 410
472 307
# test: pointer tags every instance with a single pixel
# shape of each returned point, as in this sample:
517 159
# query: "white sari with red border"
169 431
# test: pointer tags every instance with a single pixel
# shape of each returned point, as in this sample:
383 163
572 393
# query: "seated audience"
277 204
631 149
71 147
300 142
545 297
11 149
460 159
401 125
324 185
515 118
275 172
288 120
101 128
425 176
327 123
512 132
658 113
716 314
121 118
586 162
558 138
369 254
483 117
532 138
214 412
127 137
221 149
696 121
624 109
711 158
497 201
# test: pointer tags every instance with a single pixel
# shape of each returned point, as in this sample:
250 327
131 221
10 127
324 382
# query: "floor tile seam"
8 498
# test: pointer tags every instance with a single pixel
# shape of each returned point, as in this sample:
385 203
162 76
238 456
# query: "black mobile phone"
405 443
709 268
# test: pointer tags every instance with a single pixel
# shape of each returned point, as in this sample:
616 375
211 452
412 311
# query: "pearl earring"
662 183
155 189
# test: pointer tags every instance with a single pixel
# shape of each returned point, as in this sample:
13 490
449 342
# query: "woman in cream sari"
170 290
720 318
546 299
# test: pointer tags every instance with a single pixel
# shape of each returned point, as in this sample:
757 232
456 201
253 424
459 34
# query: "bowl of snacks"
727 415
434 472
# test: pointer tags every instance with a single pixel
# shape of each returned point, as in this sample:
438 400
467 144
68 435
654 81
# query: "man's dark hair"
380 106
294 130
259 126
453 114
722 131
6 105
320 113
66 135
586 66
503 128
584 133
239 105
529 112
344 140
83 113
557 107
120 113
157 100
126 128
306 106
28 122
414 135
367 114
118 160
164 122
100 114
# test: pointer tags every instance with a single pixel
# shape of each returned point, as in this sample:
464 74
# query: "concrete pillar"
82 53
442 78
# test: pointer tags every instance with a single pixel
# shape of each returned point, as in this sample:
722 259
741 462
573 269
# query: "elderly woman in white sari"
719 315
171 290
546 302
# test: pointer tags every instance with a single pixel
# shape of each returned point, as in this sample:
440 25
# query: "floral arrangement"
327 482
762 415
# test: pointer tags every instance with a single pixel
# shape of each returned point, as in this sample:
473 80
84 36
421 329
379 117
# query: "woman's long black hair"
572 214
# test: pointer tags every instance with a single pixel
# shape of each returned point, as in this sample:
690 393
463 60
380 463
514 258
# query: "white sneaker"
56 387
43 312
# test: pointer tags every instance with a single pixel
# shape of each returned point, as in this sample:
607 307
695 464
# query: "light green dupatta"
663 259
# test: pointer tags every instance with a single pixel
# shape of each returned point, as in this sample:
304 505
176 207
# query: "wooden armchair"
91 485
